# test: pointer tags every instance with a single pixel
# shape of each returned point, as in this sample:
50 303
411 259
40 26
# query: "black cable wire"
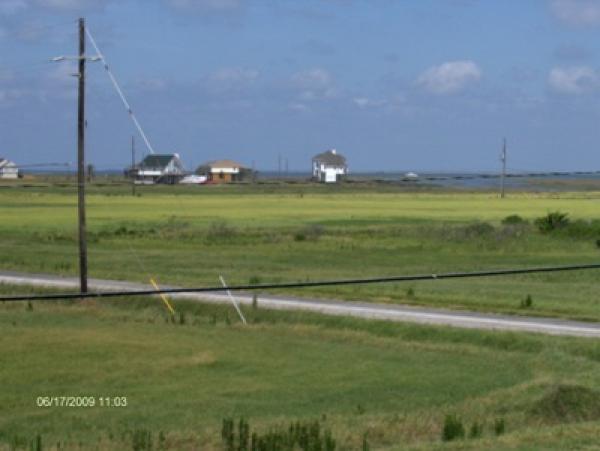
323 283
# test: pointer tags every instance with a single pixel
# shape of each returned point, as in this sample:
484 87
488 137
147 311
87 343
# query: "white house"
8 169
329 166
159 169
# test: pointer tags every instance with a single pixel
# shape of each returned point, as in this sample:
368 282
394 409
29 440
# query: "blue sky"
393 85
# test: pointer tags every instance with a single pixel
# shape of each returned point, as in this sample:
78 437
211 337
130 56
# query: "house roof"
223 164
6 163
157 161
331 157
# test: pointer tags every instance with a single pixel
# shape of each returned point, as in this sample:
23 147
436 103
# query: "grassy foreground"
386 385
190 236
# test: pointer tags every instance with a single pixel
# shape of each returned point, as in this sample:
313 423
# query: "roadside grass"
190 237
391 383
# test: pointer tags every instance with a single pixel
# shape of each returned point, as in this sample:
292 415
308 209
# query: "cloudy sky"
393 85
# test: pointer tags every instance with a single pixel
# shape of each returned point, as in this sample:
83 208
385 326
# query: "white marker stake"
233 300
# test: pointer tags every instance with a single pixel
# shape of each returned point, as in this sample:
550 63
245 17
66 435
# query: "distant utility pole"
286 166
81 161
279 165
503 160
132 173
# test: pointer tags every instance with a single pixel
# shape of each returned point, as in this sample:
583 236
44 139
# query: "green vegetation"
259 234
368 384
293 376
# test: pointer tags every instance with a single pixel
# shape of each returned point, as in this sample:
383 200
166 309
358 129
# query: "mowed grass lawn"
189 237
389 383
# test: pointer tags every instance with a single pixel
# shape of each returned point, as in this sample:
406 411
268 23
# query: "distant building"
158 169
329 166
8 169
223 171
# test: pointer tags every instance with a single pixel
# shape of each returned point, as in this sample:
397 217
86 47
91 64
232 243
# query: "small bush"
478 229
476 430
527 302
305 436
410 293
181 318
29 307
514 220
254 280
453 428
220 230
142 440
311 232
552 221
499 426
568 403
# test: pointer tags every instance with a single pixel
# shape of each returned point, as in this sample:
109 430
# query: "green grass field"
390 385
190 236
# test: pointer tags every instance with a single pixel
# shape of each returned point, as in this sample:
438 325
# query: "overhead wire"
119 91
322 283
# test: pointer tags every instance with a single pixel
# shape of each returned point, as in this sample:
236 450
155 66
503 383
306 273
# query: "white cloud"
577 12
365 102
208 5
314 84
573 80
298 107
234 75
8 7
449 77
312 78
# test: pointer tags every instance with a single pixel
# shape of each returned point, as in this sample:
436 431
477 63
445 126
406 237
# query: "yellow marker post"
162 296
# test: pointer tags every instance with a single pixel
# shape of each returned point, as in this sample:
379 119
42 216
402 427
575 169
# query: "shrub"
254 280
527 302
478 229
311 232
220 230
499 426
142 440
453 428
476 430
410 293
552 221
567 403
305 436
514 220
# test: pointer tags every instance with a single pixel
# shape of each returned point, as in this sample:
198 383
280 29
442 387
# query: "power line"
323 283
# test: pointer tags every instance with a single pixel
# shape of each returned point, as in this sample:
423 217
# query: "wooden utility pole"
81 161
503 159
132 173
